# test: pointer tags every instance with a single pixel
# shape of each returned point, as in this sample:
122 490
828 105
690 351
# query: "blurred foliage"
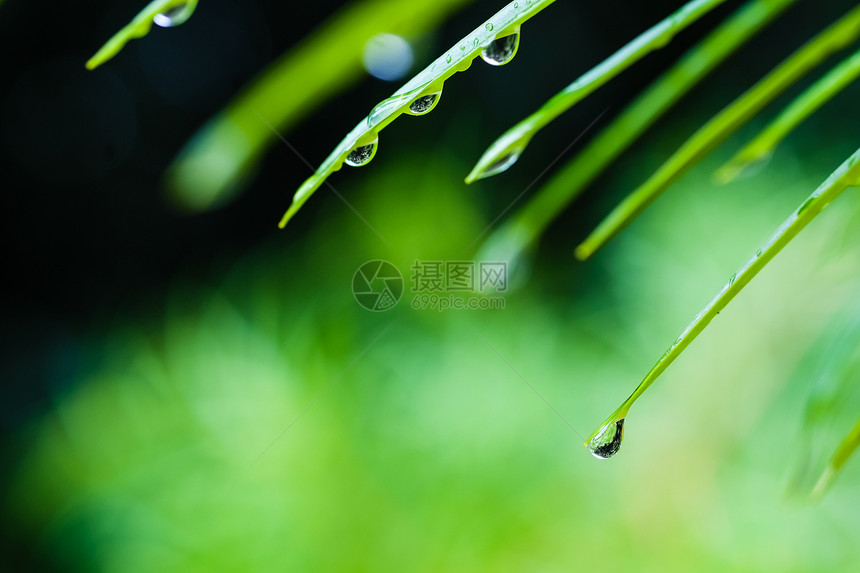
423 450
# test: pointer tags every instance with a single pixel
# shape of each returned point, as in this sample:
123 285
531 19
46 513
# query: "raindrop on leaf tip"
361 155
501 50
424 104
502 164
608 441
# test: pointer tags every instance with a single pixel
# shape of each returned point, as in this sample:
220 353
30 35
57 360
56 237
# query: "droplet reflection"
501 50
608 441
502 164
361 155
175 16
424 104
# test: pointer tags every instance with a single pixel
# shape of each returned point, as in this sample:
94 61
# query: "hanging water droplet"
608 441
733 279
362 154
501 165
758 253
424 104
489 26
501 50
175 16
448 58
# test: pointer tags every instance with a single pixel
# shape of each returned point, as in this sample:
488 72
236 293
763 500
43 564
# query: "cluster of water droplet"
498 52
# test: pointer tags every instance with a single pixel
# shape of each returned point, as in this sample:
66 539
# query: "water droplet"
362 154
733 279
476 42
424 104
448 58
489 26
608 441
501 50
516 5
758 253
462 47
806 205
175 16
501 165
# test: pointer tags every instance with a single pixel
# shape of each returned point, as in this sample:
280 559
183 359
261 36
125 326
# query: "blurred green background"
202 392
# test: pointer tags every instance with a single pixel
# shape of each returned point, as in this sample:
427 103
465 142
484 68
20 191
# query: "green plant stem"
531 221
513 141
137 28
847 175
818 94
834 38
846 448
430 80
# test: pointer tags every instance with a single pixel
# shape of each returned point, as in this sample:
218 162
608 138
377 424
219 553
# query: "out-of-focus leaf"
832 407
807 103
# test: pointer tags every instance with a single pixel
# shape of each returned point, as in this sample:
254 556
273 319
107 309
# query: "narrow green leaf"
847 175
837 36
807 103
523 229
837 461
430 81
139 27
507 149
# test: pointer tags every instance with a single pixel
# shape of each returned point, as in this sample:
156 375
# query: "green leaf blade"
524 228
845 176
835 37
